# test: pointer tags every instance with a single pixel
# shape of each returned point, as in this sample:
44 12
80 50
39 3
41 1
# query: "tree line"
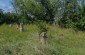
65 13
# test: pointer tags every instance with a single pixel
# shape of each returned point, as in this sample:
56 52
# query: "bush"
42 26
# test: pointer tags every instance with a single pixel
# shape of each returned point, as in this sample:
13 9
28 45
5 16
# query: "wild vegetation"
66 13
59 41
60 23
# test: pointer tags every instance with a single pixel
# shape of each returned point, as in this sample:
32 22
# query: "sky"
6 5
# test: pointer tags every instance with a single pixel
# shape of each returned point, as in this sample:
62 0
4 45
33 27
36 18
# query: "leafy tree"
68 17
41 9
81 18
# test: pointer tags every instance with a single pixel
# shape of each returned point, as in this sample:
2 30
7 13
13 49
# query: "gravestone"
21 27
43 38
18 25
10 25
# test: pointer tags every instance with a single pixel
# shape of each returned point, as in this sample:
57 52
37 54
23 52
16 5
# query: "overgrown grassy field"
59 41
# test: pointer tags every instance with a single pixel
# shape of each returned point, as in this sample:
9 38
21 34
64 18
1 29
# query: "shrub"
42 26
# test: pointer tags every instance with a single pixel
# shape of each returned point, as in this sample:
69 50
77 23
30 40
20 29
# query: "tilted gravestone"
43 38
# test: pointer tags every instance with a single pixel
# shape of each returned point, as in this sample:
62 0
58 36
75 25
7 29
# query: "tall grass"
59 41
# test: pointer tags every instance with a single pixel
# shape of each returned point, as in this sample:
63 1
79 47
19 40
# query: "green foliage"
73 15
1 16
69 17
41 9
81 18
81 24
68 13
42 26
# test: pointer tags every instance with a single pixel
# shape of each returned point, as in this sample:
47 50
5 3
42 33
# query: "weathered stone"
10 25
43 38
21 27
18 25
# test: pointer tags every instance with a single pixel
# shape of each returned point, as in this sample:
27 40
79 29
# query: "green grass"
59 41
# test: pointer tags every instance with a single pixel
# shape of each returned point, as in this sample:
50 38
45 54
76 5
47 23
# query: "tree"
68 17
81 18
40 9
